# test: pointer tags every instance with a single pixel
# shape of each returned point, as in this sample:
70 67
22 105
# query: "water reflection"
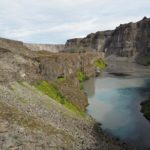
115 102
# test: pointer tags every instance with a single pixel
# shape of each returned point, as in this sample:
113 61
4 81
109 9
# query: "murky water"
115 102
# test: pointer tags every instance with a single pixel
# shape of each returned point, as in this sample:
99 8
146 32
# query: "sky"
55 21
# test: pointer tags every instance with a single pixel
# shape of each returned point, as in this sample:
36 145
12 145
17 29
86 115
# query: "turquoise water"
115 102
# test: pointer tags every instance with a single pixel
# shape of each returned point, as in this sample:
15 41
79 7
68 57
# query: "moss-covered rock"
52 90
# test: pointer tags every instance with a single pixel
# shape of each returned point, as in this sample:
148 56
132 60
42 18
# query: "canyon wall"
131 41
20 62
65 64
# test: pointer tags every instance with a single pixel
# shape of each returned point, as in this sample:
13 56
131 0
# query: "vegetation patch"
146 108
100 64
81 76
52 91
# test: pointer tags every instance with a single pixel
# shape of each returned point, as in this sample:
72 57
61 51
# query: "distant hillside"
15 45
45 47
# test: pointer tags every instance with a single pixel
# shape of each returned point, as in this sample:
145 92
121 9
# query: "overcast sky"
55 21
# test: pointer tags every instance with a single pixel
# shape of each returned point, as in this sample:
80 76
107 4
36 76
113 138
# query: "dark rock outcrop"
145 108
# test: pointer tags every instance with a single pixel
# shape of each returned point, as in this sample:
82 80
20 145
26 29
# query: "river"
114 101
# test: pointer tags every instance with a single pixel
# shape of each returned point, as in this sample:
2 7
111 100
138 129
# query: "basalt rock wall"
65 64
131 41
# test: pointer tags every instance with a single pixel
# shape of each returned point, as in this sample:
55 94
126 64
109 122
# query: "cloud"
58 20
80 26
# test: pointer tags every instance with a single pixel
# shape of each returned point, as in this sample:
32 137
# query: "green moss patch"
81 76
52 91
101 64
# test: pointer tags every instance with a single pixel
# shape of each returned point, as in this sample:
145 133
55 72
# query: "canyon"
42 101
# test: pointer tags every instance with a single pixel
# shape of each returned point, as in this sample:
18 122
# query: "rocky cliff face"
130 39
54 48
53 66
93 41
